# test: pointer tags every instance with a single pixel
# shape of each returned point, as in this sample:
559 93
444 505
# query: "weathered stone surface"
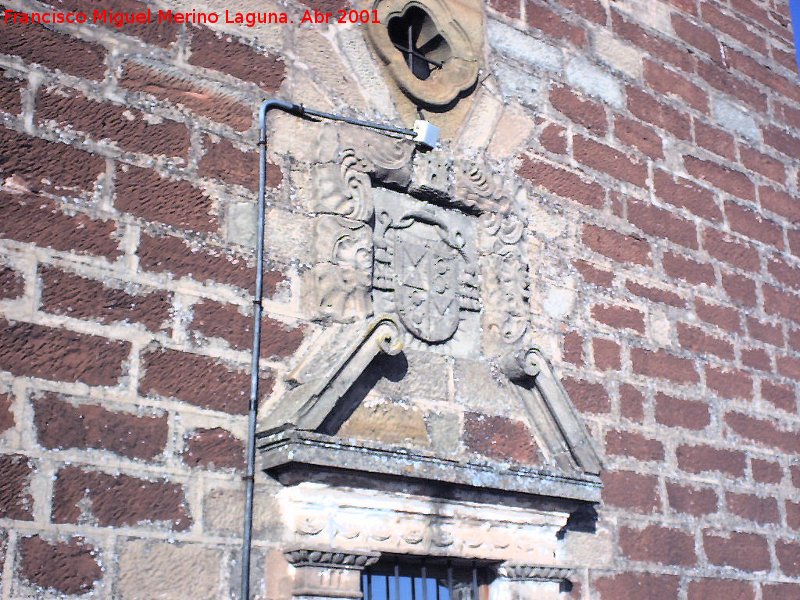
386 421
153 569
67 567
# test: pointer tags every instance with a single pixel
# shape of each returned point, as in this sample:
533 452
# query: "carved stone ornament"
518 572
415 250
332 559
431 47
324 574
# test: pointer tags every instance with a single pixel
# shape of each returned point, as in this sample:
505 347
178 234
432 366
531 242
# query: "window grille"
406 578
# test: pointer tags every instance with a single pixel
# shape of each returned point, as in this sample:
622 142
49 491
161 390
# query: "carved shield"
427 287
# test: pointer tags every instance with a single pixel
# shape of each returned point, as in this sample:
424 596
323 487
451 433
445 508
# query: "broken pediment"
426 367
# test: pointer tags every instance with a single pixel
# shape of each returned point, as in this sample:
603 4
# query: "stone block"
481 387
151 570
618 54
516 83
595 82
523 48
735 119
414 374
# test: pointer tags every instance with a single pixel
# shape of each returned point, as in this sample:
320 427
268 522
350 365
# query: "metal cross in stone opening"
412 51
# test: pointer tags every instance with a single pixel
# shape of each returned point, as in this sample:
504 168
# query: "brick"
720 589
7 420
34 43
631 403
683 193
780 396
756 358
630 491
61 424
683 267
224 53
609 160
500 438
663 116
733 27
766 332
729 383
12 283
553 24
781 140
10 93
147 194
118 500
562 182
580 110
695 36
593 10
761 73
715 140
745 551
633 445
780 202
655 294
637 586
726 248
214 319
65 293
510 8
763 432
198 380
128 128
753 508
620 317
725 317
786 274
788 114
594 274
698 459
695 501
792 514
662 365
698 341
606 354
726 179
723 80
641 137
573 348
588 397
780 303
749 223
173 255
30 219
763 163
766 471
616 246
739 288
673 84
224 161
34 160
789 366
213 449
677 412
656 544
554 138
158 33
66 567
16 501
61 355
661 223
780 591
191 94
654 45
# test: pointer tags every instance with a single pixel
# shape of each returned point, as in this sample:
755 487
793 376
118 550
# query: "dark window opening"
409 578
414 34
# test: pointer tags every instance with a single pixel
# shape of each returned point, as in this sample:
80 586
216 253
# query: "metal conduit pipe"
425 134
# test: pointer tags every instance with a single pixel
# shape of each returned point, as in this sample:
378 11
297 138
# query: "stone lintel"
521 572
290 450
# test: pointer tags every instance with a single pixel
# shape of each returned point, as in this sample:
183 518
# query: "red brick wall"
124 295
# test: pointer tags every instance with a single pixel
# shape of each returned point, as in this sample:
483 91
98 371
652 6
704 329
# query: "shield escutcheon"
427 287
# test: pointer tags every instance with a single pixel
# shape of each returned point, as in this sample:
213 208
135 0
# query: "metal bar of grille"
367 587
424 574
474 582
396 580
410 48
450 580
